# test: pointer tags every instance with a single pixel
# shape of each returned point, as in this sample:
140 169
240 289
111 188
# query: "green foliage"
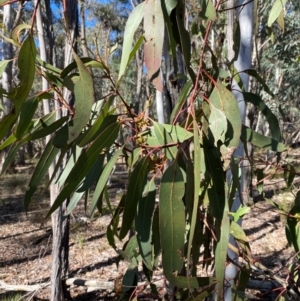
192 153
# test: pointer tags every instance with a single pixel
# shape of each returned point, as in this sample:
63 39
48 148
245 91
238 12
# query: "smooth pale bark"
243 62
160 106
82 30
7 54
59 228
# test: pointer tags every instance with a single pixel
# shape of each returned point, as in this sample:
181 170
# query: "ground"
25 248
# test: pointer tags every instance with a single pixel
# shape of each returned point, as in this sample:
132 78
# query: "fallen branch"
21 287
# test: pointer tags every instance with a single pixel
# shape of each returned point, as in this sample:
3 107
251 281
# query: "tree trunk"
60 226
7 54
245 16
82 30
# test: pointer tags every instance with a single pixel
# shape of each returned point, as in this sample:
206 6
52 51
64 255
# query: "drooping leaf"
130 280
261 141
16 33
217 124
170 5
75 154
11 139
134 20
289 174
11 155
93 132
3 65
89 62
271 118
27 112
86 160
276 10
208 10
154 28
225 101
26 64
177 133
184 39
134 193
220 210
255 74
197 179
292 228
84 99
143 223
164 138
76 197
93 175
48 156
48 66
184 93
156 237
104 178
172 219
45 127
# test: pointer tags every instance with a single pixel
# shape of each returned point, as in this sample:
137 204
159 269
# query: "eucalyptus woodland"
190 153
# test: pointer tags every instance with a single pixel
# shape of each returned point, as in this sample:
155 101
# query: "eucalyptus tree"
190 154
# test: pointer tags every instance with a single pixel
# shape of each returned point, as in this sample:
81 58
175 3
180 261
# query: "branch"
21 287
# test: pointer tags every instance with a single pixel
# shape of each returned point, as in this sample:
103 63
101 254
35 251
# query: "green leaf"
76 197
271 118
289 174
164 138
220 210
3 65
240 213
276 10
46 127
170 5
184 93
103 179
26 64
93 175
208 10
184 39
84 99
89 62
136 47
261 141
225 101
177 133
11 139
16 33
143 223
132 24
48 67
130 279
48 156
11 155
292 229
27 112
217 124
134 193
156 237
172 219
197 180
86 160
255 74
93 132
154 28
